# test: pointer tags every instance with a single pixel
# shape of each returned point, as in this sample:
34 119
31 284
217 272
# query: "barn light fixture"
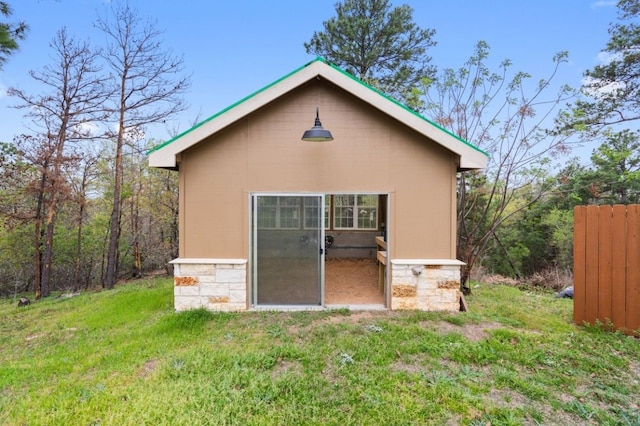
317 133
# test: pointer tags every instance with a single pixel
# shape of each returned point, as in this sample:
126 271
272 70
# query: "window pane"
267 201
311 219
343 200
355 211
368 218
289 201
266 216
327 208
367 200
289 217
343 217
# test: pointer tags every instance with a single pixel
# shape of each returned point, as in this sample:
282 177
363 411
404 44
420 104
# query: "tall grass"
124 357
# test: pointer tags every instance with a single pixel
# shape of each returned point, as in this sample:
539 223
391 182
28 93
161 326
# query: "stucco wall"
370 153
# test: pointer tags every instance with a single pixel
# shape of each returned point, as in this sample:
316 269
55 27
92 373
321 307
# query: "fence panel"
591 267
633 272
604 262
606 251
619 265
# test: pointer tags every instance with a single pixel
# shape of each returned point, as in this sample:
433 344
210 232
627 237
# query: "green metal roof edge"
340 70
235 104
403 106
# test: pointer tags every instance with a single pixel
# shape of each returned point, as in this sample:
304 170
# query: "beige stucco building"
261 210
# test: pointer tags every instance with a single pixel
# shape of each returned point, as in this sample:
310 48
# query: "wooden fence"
606 260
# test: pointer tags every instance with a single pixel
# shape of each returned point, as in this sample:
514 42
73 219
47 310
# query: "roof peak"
346 81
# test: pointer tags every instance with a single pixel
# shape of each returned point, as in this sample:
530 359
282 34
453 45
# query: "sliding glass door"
287 249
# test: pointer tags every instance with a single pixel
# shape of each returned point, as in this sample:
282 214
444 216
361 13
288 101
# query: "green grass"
123 357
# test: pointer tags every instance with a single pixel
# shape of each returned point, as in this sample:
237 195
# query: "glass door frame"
253 263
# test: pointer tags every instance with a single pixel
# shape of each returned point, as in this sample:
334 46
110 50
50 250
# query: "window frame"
356 209
330 215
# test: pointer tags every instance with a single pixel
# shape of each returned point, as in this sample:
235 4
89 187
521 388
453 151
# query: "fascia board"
473 160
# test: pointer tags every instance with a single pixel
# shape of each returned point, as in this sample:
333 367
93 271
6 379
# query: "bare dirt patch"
148 368
634 370
285 366
473 332
34 336
410 365
354 317
507 398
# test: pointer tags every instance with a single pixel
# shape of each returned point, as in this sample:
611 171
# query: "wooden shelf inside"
382 261
382 257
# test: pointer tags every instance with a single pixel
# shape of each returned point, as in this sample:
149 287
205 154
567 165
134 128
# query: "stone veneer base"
221 284
213 284
425 284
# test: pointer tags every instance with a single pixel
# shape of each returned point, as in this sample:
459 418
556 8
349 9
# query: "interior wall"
352 244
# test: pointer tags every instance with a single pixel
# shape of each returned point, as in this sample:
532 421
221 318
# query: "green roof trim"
235 104
340 70
403 106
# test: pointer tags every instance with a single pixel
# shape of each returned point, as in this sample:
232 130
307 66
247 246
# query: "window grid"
350 211
279 212
311 212
355 211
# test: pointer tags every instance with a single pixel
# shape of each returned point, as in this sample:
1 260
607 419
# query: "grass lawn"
123 357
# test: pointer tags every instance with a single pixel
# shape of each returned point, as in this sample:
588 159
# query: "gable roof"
164 155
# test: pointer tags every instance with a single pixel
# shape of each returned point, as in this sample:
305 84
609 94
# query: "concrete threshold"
285 308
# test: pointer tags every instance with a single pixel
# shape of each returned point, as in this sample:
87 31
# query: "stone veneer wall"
221 284
426 285
214 284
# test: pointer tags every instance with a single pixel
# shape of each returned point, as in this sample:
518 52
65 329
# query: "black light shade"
317 133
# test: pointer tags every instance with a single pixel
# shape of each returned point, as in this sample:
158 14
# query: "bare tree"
150 85
63 114
506 117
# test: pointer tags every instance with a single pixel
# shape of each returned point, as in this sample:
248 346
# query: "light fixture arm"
317 133
317 123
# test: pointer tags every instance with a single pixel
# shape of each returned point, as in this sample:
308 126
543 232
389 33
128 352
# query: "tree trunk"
37 243
465 273
135 230
37 258
47 256
78 262
114 223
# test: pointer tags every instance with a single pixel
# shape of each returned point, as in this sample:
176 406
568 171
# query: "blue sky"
235 47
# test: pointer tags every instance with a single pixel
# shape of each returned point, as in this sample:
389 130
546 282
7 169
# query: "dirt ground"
352 281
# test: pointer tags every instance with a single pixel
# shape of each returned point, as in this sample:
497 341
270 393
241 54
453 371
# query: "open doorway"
353 275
